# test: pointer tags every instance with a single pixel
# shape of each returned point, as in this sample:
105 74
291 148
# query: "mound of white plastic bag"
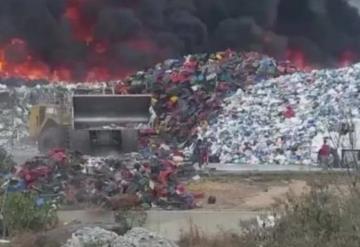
252 128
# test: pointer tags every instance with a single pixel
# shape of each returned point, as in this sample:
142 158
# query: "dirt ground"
246 193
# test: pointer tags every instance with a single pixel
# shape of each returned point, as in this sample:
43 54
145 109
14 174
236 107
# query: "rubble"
141 237
136 237
87 236
275 121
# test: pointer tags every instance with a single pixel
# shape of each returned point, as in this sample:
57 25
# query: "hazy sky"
355 3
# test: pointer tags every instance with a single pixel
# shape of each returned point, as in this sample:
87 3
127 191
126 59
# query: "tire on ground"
129 140
53 137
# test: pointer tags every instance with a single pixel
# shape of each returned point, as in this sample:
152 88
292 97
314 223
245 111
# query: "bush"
21 214
322 217
130 218
6 161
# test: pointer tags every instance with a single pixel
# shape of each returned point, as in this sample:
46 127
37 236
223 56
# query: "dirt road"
238 199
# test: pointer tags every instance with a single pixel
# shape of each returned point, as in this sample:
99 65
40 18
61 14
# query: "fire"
81 28
298 58
142 45
32 68
2 61
346 58
28 67
17 60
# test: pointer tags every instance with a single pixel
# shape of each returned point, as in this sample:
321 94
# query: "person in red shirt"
324 154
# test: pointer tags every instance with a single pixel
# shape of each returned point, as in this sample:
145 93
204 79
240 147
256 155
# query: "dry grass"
196 238
246 193
328 215
33 240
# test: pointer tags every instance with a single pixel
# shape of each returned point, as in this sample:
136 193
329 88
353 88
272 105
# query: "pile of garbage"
136 237
126 181
188 92
7 116
275 121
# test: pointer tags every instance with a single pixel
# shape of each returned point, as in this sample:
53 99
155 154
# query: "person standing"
324 154
204 153
196 156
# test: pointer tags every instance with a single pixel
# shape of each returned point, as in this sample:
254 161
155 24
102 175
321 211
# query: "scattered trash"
119 182
211 200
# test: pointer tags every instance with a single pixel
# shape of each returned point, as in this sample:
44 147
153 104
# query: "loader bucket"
110 111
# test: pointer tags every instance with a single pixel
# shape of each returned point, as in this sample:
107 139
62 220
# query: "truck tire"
129 140
53 137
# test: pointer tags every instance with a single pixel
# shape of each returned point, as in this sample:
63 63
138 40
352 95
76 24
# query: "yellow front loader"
48 125
92 124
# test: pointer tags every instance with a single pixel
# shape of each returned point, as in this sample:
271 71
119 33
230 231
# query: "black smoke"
322 29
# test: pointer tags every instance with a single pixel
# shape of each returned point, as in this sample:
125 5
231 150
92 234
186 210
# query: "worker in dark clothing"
204 153
196 157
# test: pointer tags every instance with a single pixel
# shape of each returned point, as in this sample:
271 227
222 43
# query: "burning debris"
182 89
93 40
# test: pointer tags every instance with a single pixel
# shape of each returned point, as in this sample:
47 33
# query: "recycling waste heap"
279 121
251 108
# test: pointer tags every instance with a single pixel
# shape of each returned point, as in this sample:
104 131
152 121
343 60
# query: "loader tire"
53 137
129 140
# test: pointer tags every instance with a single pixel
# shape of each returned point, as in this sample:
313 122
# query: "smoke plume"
105 39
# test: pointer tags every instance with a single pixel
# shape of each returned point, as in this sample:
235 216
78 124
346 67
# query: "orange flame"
16 60
81 29
346 58
298 58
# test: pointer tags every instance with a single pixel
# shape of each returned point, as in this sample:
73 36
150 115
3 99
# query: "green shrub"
6 161
130 218
21 214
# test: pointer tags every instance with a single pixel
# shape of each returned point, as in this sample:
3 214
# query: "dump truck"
93 124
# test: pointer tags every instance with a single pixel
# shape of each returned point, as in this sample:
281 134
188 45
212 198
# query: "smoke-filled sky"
355 3
114 37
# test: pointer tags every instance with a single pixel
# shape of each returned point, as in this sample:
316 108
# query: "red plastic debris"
58 154
31 175
289 112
